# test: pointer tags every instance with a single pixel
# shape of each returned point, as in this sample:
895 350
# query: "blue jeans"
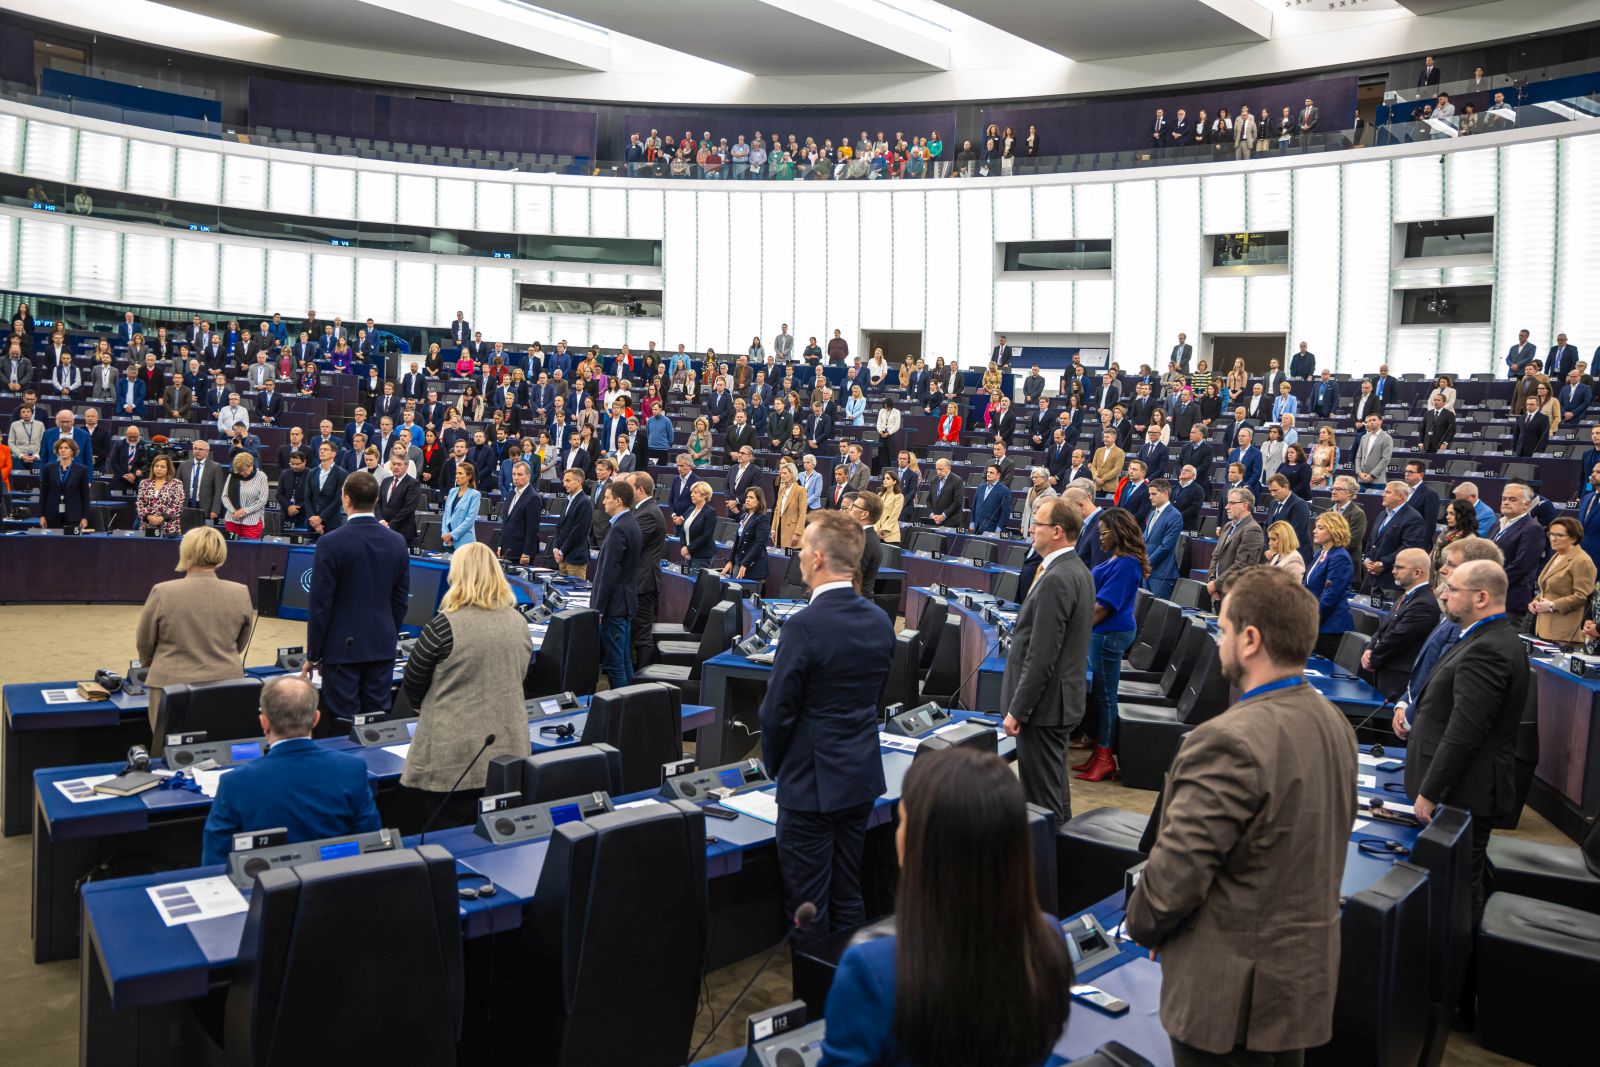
616 649
1161 587
1105 659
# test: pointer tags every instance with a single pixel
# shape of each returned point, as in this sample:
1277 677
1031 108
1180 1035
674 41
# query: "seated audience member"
992 988
195 628
465 677
306 788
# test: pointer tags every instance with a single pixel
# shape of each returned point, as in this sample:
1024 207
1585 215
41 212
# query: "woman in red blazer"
948 427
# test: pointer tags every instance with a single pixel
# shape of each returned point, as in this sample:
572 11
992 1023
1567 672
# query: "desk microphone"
955 698
255 621
802 915
423 837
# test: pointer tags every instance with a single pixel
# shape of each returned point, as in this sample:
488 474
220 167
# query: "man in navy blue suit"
819 728
1521 540
1286 507
1325 397
1562 359
360 586
519 533
1248 456
570 545
309 790
1161 531
1522 353
991 506
615 578
1423 499
679 501
1188 496
1153 453
1392 529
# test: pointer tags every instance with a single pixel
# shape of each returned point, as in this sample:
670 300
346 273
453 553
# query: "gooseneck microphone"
802 915
423 837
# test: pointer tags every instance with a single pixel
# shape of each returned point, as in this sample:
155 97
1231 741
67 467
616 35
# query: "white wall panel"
712 268
1013 214
146 268
977 277
243 282
290 190
746 242
944 298
416 200
1526 242
1577 312
1222 196
95 262
453 288
494 207
42 252
1314 250
100 160
608 211
1052 212
1409 346
1179 263
1133 336
495 289
908 253
877 262
199 176
10 141
844 255
1092 305
377 196
49 150
150 168
375 289
194 273
1093 210
780 260
1013 307
1052 306
244 182
413 291
532 204
334 192
570 210
458 207
289 282
1471 181
646 210
810 267
1461 349
1221 308
1266 305
1267 199
1364 277
1418 188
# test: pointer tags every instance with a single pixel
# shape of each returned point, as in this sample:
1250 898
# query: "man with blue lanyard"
1445 634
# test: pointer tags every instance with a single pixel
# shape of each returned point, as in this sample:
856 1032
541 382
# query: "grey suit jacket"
1244 547
1357 518
194 629
1373 455
783 346
1241 892
212 480
1043 683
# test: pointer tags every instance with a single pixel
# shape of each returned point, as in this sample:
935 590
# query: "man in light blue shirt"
1468 491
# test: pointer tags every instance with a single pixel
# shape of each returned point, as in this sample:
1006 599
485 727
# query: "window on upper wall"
1449 305
1449 237
1091 254
1247 250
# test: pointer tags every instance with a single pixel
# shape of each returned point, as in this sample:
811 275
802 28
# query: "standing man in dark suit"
324 490
1043 688
1562 359
1429 75
1521 541
461 329
1199 454
948 494
570 545
1228 848
519 532
1438 426
1286 507
1464 728
360 590
1575 399
1325 396
1533 429
615 593
1400 635
1188 497
1423 499
202 481
819 728
1396 527
1521 354
652 547
398 498
1303 364
1000 355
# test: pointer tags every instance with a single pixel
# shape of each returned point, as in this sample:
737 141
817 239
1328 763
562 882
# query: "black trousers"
644 620
351 689
819 857
1042 767
1189 1056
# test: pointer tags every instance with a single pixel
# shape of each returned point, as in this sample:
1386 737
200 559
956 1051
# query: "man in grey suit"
1241 891
1043 687
1374 452
1343 494
202 481
1181 352
1240 543
783 344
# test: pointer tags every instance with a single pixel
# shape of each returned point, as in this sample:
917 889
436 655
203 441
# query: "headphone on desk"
1382 848
474 892
563 731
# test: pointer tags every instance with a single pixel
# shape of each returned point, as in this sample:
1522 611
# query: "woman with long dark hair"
976 972
1122 569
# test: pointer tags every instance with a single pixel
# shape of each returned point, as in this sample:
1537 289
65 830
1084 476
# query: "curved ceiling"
812 52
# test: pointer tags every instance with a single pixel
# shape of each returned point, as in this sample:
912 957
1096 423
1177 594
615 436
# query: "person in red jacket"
949 425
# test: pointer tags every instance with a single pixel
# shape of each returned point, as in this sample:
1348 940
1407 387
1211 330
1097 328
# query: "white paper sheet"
1371 761
60 696
207 780
761 805
398 750
1367 781
645 803
81 790
203 898
898 743
1360 825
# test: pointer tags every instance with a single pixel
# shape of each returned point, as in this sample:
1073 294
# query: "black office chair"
221 709
1188 593
1444 850
556 774
707 588
568 656
1538 965
307 923
1380 1011
886 592
722 630
1154 642
1351 646
1165 693
902 684
614 939
940 680
1552 873
645 724
1112 1054
1150 734
1365 623
1093 851
934 611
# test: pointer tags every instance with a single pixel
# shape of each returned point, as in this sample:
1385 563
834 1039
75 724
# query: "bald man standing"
1399 638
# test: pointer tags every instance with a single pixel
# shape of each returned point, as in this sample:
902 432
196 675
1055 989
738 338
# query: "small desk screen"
733 777
244 751
565 813
339 850
551 706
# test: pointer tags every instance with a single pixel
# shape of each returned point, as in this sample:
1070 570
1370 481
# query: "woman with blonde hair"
1283 549
195 628
789 509
1324 457
464 678
1237 383
245 494
1329 581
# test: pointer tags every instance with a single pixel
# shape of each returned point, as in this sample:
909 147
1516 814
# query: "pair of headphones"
563 731
474 892
1382 848
138 759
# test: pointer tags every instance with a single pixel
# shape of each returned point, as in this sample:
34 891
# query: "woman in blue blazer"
1329 581
64 489
993 988
749 558
699 529
458 521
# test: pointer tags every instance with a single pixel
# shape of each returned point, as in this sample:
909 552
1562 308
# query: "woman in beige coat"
196 628
1565 585
788 510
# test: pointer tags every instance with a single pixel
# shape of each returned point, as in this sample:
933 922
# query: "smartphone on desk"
1099 999
717 811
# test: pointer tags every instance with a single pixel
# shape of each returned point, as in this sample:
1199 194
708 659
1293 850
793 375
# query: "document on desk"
81 790
60 696
898 743
762 805
203 898
207 780
1360 825
645 803
1366 781
398 751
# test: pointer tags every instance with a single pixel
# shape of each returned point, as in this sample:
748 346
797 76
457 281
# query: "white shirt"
1044 564
828 587
231 416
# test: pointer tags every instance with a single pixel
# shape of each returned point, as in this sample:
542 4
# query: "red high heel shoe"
1088 760
1102 766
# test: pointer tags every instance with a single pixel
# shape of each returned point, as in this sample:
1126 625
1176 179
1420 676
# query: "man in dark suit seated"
615 578
570 545
1400 636
519 530
398 499
360 591
1463 744
948 496
819 729
1394 528
306 788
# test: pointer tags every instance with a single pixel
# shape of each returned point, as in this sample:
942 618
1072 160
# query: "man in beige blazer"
1241 892
1240 543
196 628
1106 464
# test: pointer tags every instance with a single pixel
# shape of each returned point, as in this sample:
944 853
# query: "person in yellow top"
1106 465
